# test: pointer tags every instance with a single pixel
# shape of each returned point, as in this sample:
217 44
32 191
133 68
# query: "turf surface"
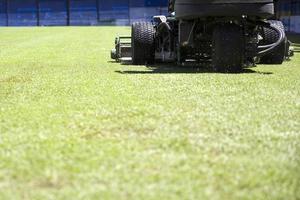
74 125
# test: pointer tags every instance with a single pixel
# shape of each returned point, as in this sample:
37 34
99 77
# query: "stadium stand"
107 12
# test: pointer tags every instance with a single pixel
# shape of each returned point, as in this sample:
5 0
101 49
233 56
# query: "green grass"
74 125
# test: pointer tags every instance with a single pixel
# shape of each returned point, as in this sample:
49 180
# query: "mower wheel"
276 56
113 54
142 41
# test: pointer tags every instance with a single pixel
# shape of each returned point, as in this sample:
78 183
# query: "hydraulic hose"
164 25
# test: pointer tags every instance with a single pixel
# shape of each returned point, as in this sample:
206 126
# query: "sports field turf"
74 125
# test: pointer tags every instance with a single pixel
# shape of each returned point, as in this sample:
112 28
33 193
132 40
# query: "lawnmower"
227 35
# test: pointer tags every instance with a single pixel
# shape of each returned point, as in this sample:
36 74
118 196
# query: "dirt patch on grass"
16 79
50 183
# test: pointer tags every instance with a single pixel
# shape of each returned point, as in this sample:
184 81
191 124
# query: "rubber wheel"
228 48
113 54
276 56
142 41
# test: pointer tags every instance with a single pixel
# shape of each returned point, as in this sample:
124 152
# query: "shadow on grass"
171 69
294 37
112 61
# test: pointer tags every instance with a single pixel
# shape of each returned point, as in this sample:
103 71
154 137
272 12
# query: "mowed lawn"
75 125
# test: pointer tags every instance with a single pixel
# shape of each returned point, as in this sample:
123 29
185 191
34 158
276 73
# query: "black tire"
142 41
277 55
228 48
113 54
